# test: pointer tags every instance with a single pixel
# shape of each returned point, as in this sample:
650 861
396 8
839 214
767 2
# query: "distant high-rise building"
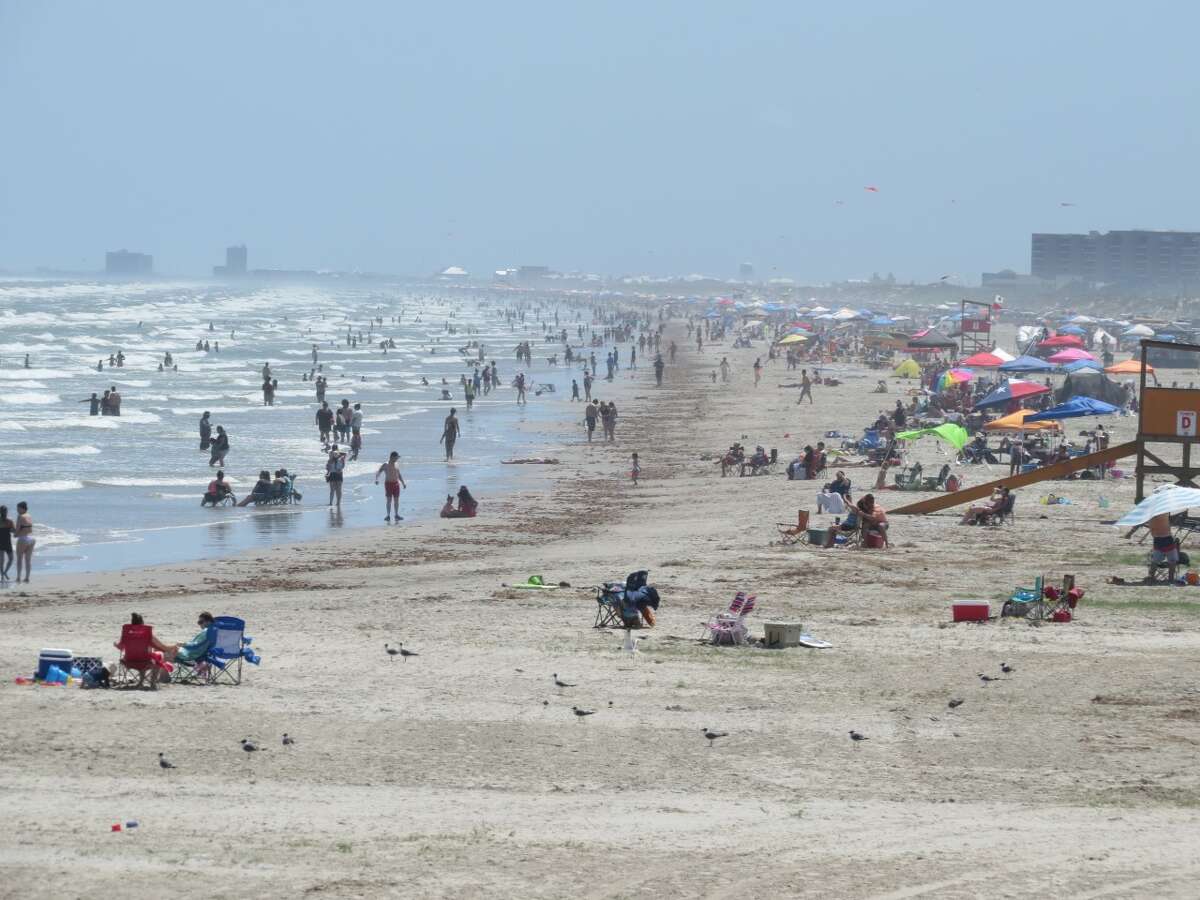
124 262
746 271
235 261
1118 257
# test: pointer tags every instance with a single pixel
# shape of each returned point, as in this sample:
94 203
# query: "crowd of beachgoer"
107 405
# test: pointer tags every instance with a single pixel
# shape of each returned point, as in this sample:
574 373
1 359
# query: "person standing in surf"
450 432
393 481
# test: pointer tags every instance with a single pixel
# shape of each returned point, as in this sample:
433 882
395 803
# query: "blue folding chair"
223 661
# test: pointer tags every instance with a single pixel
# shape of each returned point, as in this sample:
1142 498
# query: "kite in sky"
871 188
1066 204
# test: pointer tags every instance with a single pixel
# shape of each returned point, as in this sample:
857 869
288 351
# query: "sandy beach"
463 772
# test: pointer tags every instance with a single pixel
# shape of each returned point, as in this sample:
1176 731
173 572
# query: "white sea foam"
32 487
36 452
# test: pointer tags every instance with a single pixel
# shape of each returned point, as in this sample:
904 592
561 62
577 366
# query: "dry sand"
463 773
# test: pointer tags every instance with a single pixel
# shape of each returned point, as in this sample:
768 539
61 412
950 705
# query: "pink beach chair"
730 627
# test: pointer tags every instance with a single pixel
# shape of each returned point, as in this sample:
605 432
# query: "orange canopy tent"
1130 367
1016 422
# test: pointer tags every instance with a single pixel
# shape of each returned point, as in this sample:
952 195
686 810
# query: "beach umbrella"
1075 408
881 320
951 377
793 339
1062 340
952 434
1166 500
1027 364
1003 354
1071 354
1016 422
1012 389
1129 367
1081 365
982 360
1138 331
907 369
1071 329
1082 320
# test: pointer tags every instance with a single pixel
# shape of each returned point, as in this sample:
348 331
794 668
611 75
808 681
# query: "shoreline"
469 756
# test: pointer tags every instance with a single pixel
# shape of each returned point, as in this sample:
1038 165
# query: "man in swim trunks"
393 481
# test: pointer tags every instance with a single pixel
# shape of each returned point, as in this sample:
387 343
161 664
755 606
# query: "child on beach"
636 470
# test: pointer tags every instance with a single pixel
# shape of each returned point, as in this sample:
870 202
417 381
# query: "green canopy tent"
952 434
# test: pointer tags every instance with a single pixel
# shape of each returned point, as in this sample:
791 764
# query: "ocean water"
111 492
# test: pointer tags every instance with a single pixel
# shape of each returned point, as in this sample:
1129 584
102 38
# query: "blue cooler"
51 657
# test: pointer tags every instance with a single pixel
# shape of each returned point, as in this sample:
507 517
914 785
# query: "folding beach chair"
909 479
223 661
137 655
730 627
794 532
936 484
609 597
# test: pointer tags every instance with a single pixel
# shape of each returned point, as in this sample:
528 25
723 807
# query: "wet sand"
463 772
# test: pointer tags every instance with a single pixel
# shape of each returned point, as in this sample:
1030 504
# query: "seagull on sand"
249 746
955 703
560 683
399 650
711 735
1006 668
986 678
164 763
580 713
288 740
858 738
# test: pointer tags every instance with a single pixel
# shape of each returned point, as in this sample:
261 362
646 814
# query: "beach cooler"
52 657
818 536
971 610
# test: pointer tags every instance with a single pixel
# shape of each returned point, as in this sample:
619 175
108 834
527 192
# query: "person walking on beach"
205 431
587 387
393 481
757 370
636 469
25 541
220 446
805 387
574 390
469 393
658 370
724 367
450 433
324 421
590 413
7 527
519 383
335 465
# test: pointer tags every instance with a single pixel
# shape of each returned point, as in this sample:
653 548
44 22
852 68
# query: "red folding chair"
138 655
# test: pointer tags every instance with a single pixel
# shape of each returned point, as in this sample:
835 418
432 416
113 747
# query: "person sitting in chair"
218 490
195 649
979 514
261 492
1166 549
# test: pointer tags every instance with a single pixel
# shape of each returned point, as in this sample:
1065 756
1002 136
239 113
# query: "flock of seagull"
710 735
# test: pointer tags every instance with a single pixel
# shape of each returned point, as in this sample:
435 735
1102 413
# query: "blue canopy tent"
1075 408
1027 364
1071 329
1083 364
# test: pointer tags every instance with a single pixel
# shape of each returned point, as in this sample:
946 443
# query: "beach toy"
132 823
116 827
21 679
55 675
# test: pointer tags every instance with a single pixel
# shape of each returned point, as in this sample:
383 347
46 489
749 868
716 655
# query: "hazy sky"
605 136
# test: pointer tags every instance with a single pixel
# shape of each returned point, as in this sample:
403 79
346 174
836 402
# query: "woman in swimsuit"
25 541
6 543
